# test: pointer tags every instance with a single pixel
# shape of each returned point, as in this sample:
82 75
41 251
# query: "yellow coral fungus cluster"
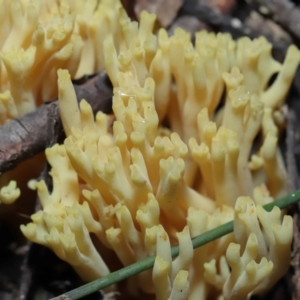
39 37
200 74
140 187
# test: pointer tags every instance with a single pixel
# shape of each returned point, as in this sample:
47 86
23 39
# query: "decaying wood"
285 13
23 138
227 23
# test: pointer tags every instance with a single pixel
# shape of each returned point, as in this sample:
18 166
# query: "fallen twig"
24 137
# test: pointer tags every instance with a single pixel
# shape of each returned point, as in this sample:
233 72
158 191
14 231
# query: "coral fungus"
140 186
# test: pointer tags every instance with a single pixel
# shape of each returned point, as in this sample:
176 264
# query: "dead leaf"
223 6
166 10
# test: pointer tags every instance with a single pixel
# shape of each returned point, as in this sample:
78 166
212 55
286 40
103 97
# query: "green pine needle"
148 262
